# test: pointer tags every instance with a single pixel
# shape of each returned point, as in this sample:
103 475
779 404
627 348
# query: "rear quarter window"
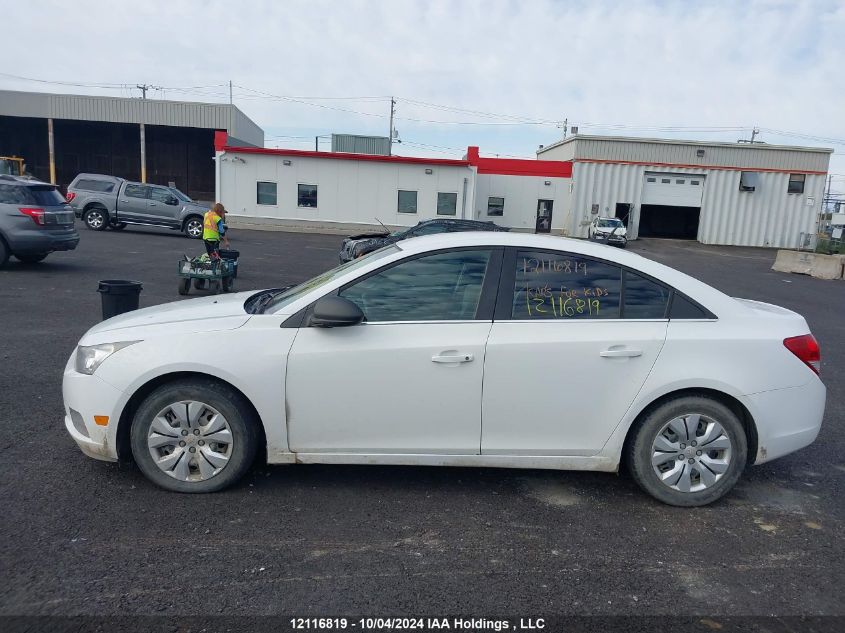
12 194
100 186
46 196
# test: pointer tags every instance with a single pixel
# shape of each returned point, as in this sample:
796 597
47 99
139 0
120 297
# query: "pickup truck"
110 202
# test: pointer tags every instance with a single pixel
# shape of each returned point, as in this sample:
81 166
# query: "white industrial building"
717 193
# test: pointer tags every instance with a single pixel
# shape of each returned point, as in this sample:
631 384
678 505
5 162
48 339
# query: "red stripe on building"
519 166
220 146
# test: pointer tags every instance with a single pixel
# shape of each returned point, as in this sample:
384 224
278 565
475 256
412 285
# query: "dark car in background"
35 220
356 245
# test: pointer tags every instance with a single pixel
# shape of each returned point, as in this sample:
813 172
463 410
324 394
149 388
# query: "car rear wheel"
96 219
32 259
193 227
4 253
194 436
689 451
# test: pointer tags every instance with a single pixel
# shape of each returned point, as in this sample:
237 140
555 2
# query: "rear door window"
563 286
644 298
136 191
12 194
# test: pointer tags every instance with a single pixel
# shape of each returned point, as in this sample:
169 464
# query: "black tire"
184 285
32 259
96 218
118 226
199 284
228 284
640 450
193 227
4 252
237 412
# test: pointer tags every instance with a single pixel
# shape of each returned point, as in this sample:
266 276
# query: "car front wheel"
194 436
689 451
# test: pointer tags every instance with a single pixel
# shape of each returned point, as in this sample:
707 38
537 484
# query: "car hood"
608 230
192 206
204 314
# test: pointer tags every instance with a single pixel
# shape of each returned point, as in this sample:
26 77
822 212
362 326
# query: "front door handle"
621 353
452 358
152 204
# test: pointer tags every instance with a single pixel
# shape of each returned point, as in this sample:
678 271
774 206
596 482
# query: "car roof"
24 181
97 177
698 290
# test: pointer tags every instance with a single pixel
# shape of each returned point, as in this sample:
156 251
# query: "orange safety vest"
210 233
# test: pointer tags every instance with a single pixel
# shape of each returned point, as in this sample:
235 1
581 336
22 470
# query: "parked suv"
110 202
35 220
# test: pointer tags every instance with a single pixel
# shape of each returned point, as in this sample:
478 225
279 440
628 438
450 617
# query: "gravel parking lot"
82 537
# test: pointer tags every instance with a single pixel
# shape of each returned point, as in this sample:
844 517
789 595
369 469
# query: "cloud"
640 64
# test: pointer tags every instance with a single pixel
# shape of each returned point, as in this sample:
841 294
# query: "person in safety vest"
213 229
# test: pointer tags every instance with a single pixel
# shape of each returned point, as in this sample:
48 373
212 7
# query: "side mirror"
335 311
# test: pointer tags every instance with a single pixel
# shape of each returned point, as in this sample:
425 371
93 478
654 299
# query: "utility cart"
212 275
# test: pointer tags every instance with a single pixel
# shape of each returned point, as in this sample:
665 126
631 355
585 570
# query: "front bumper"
84 398
787 419
615 239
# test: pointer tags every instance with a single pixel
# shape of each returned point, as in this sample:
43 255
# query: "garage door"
676 190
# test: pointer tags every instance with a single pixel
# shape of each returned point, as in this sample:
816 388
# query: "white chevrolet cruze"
468 349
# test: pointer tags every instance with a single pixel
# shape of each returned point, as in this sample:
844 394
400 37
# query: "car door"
163 207
408 379
132 203
573 341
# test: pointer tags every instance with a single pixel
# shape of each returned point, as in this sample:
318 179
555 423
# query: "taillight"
806 348
69 196
35 213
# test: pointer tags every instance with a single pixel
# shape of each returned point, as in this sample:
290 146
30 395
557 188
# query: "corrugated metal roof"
670 152
216 116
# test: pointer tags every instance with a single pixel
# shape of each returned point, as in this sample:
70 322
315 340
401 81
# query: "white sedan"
470 349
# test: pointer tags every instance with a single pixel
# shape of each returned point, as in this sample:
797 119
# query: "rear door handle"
152 204
452 358
621 353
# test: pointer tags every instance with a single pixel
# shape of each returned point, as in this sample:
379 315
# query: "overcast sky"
699 70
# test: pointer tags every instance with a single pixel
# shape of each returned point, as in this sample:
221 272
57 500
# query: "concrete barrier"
813 264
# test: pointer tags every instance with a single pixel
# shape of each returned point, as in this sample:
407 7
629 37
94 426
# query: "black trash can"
119 296
231 255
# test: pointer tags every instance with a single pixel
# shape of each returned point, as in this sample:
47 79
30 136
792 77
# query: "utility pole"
144 87
390 136
316 143
754 132
230 92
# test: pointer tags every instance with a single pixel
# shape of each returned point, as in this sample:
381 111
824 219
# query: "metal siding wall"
354 144
685 154
121 110
766 217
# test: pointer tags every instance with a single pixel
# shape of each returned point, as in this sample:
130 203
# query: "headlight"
89 357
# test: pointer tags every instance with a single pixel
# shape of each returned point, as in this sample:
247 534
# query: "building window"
695 182
447 203
265 193
680 181
796 183
407 202
651 179
665 181
495 206
306 196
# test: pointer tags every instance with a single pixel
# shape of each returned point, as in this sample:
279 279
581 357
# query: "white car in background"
609 230
468 349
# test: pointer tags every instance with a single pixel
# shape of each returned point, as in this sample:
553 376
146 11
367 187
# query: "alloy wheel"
193 228
691 453
190 441
95 219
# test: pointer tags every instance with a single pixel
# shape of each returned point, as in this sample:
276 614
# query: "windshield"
291 295
610 222
180 195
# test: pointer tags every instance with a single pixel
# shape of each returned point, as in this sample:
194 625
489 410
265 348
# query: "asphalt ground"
81 537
